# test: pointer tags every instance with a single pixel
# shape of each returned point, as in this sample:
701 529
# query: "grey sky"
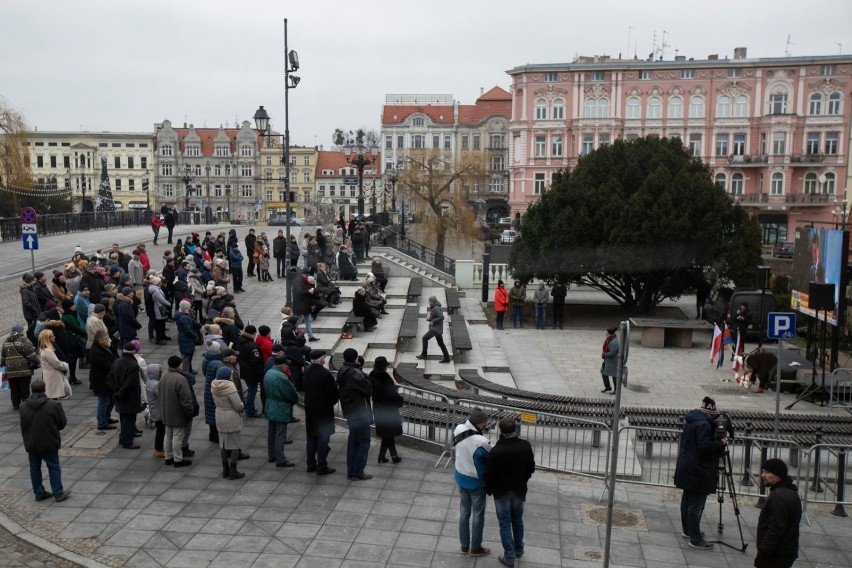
122 66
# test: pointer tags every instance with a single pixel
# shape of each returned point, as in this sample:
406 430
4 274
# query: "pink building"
774 131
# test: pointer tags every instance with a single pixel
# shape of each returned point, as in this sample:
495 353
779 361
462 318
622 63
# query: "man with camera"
702 443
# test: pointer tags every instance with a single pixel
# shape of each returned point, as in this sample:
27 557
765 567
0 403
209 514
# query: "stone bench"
662 332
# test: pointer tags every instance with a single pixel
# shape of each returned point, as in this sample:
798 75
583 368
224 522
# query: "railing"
382 236
495 272
10 227
746 159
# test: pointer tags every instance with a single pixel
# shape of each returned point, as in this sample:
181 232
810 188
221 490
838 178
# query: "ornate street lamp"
360 156
146 183
187 178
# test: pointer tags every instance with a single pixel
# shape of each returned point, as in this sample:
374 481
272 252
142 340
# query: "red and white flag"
738 351
716 343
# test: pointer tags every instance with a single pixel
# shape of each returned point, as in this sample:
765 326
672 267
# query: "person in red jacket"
264 342
501 302
156 223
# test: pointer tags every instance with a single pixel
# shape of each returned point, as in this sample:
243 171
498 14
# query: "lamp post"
360 156
186 178
261 120
391 177
146 186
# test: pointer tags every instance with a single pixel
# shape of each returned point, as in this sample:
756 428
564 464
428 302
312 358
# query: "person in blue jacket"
471 449
235 264
186 334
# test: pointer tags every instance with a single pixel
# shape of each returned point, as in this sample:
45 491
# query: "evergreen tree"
105 202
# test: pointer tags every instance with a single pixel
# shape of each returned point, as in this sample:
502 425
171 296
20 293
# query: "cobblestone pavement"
16 553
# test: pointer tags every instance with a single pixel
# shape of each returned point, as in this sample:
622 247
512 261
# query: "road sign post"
779 326
29 232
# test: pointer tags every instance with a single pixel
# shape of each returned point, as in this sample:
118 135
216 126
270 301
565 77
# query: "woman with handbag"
54 372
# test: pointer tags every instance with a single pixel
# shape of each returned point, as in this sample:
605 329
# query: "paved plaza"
127 509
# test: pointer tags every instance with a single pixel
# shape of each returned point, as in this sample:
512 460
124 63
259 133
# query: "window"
166 169
596 76
813 143
633 108
131 185
828 184
217 190
352 191
675 107
721 181
631 137
53 161
556 146
834 104
588 143
695 144
417 141
465 142
222 150
143 163
696 107
723 107
116 144
192 151
447 142
815 104
282 196
603 108
495 185
496 163
129 162
810 186
538 185
550 77
739 144
540 146
558 109
268 175
400 141
166 150
721 144
116 162
418 121
217 170
645 75
778 103
117 184
245 170
268 195
831 139
654 107
388 142
734 72
741 106
687 73
332 190
603 139
307 160
306 177
294 177
168 190
777 185
779 143
436 141
495 141
827 70
737 183
477 145
321 191
540 109
589 108
247 190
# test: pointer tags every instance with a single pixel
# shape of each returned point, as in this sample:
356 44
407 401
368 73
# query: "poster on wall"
820 258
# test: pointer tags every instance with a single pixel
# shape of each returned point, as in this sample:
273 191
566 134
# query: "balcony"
813 198
748 159
806 159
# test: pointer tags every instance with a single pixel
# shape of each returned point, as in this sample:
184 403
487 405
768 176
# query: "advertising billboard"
820 258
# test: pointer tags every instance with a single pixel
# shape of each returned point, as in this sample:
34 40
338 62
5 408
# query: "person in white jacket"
471 454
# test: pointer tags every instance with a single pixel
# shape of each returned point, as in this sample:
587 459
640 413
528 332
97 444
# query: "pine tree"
104 201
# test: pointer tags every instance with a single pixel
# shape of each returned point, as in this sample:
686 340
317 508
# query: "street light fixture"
187 178
146 187
360 156
391 177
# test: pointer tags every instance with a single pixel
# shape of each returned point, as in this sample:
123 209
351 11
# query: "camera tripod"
724 483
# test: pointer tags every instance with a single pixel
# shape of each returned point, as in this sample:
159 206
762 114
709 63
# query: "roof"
334 160
207 137
495 102
397 114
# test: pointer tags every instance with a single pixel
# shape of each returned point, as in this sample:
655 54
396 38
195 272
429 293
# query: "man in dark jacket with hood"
251 367
435 318
251 238
41 421
778 525
697 469
320 397
355 391
124 381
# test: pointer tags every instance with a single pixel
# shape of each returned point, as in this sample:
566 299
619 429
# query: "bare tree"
14 156
363 135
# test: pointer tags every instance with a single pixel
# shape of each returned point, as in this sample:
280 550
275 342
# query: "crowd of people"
515 299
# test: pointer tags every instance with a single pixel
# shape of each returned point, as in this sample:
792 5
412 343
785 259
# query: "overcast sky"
122 66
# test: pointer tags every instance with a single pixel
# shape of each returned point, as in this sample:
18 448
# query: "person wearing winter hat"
128 394
778 524
19 357
386 404
697 469
320 397
472 450
186 334
229 421
355 391
177 411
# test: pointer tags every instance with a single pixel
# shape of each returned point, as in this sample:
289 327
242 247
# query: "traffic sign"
781 325
28 215
29 228
30 241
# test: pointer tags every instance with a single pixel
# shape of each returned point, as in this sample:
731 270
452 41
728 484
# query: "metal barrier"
429 424
382 236
827 483
10 227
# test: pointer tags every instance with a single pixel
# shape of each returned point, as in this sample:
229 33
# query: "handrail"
382 236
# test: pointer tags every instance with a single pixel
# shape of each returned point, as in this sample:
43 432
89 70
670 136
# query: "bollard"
816 487
649 450
794 457
839 511
596 438
747 480
761 490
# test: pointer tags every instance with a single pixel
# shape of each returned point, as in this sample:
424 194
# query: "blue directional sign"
30 241
781 325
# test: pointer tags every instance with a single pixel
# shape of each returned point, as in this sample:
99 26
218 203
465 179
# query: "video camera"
724 427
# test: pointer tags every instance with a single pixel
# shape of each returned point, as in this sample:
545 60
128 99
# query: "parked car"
505 222
784 250
281 220
508 236
724 299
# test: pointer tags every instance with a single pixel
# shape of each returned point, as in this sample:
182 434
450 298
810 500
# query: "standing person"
101 359
281 395
152 386
251 239
41 421
741 320
293 251
137 273
471 449
169 221
386 404
29 305
83 304
778 524
320 397
124 381
609 365
279 252
559 292
186 334
20 359
501 302
355 391
251 367
162 310
156 223
540 297
126 315
303 294
53 369
435 318
229 421
510 465
517 299
177 411
697 469
75 339
235 265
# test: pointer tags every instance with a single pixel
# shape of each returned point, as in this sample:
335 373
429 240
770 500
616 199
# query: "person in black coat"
41 421
698 468
559 292
320 397
124 379
101 359
251 238
251 367
361 307
125 315
386 404
170 224
303 294
778 525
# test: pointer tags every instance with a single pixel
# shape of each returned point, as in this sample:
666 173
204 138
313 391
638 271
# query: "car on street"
508 236
281 220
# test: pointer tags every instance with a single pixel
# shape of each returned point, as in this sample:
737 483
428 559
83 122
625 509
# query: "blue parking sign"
781 325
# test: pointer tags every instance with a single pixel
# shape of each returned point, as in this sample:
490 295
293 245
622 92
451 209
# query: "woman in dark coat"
386 404
101 359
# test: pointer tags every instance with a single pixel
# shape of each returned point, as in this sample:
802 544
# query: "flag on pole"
716 343
738 351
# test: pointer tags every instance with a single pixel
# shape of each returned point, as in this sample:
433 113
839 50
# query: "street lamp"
146 187
362 157
261 121
187 178
391 177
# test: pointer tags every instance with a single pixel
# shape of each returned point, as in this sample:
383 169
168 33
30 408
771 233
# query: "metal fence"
10 227
382 236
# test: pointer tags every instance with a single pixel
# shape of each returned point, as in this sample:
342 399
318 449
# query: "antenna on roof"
787 47
629 30
839 47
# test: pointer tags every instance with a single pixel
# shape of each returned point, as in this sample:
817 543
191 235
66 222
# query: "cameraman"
698 468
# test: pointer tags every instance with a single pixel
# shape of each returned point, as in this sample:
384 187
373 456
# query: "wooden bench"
415 289
460 338
353 323
453 302
408 327
662 332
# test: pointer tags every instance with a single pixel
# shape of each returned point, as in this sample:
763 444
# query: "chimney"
481 91
713 57
740 52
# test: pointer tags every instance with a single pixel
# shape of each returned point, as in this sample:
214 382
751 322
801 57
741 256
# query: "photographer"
698 467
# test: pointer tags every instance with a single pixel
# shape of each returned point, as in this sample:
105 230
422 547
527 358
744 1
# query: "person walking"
320 397
177 411
501 302
609 365
355 391
517 300
124 380
303 295
42 420
156 223
229 421
281 395
20 359
559 292
778 524
510 465
386 404
540 298
471 450
697 469
435 318
101 359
